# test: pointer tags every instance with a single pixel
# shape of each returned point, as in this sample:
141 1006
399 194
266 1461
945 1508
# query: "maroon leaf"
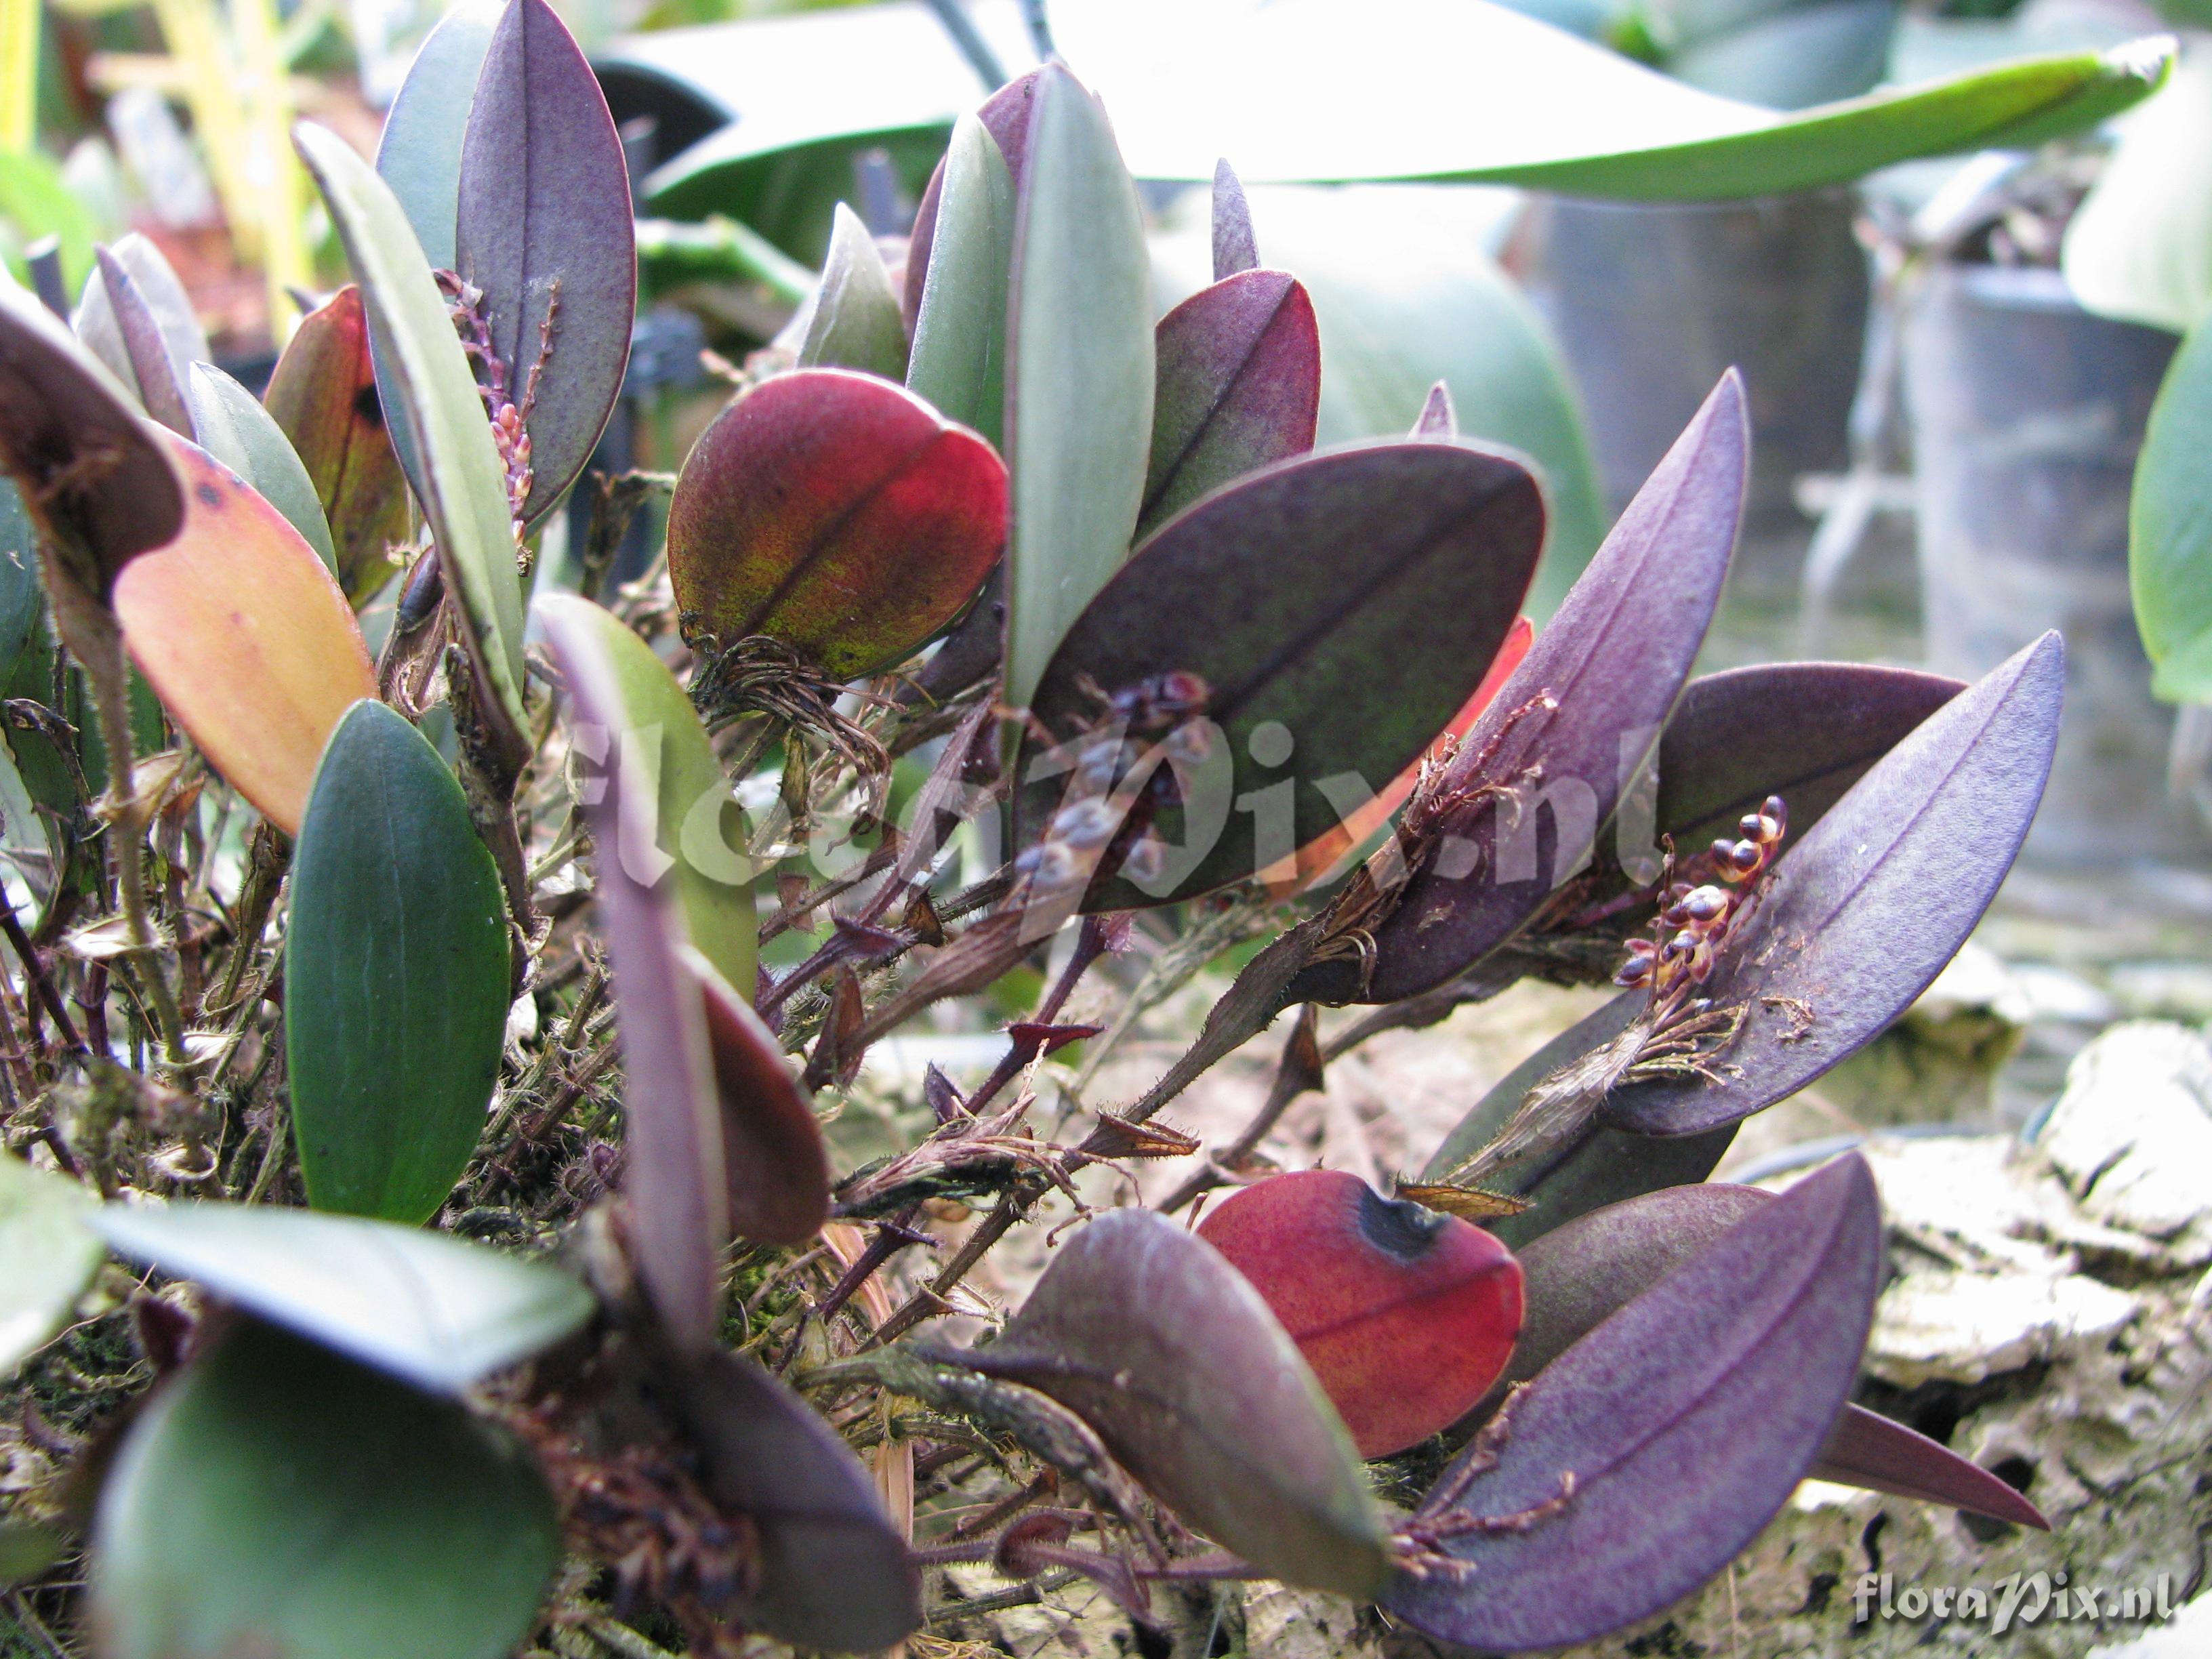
90 468
1238 385
833 1572
777 1169
1863 913
158 388
675 1176
838 514
1235 248
1666 1438
1006 114
1864 1449
1613 661
1407 1317
1581 1275
1353 599
1144 1331
543 229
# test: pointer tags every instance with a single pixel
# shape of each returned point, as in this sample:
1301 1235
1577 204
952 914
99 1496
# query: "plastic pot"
2026 414
1650 304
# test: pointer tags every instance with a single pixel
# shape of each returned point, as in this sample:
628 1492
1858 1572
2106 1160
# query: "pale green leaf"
959 360
437 406
1080 374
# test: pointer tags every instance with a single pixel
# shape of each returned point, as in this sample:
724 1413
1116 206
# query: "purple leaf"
1238 385
1437 418
1603 1166
1353 598
1863 913
1579 1275
777 1169
1864 1449
833 1572
143 345
1005 115
1685 1420
1143 1330
675 1176
1612 660
543 229
91 470
1804 731
1235 248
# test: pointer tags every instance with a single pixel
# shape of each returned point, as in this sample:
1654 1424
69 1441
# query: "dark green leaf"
1141 1328
542 220
275 1499
431 1309
23 606
1078 373
236 430
395 974
959 359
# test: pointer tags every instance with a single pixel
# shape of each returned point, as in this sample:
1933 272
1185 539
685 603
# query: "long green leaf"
691 827
437 406
1079 373
1443 89
277 1499
232 426
2170 527
47 1256
431 1309
960 358
395 974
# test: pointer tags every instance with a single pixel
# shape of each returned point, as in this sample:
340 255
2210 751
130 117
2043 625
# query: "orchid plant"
419 1232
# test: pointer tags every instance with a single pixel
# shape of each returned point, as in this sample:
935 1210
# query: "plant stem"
35 971
111 686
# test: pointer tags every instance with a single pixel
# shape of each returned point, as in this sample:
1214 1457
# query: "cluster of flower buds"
1097 827
1694 922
